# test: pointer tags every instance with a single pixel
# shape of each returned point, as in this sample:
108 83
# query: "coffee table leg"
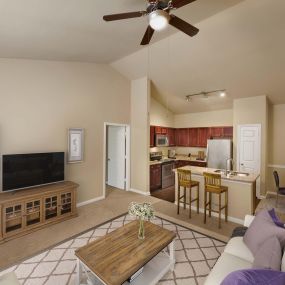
172 254
79 272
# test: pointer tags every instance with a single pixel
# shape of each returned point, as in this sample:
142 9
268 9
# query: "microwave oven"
161 140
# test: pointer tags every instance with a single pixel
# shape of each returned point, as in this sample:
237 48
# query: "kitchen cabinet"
152 136
155 177
190 137
193 137
228 132
171 136
217 132
182 137
157 130
203 135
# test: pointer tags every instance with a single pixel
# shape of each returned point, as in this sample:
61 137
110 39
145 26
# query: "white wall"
159 115
204 119
40 100
140 104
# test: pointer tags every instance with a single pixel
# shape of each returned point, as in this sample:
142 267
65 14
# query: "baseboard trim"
90 201
231 219
139 192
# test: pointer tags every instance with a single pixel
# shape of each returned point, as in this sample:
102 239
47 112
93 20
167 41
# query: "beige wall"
253 110
40 100
276 138
159 115
140 104
204 119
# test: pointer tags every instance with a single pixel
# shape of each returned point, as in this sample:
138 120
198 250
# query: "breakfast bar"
241 187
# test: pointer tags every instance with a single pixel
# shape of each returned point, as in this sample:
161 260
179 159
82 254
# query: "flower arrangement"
143 211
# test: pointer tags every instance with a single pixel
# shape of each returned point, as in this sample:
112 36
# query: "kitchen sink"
232 173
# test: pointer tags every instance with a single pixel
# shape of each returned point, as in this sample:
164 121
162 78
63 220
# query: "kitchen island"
242 192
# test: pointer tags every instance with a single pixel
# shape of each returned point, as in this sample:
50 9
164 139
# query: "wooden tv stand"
27 210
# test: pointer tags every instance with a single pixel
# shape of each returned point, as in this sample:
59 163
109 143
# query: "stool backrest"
212 180
276 178
184 177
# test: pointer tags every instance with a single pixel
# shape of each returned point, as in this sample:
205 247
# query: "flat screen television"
28 170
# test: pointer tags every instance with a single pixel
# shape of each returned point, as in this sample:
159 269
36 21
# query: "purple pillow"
255 276
269 255
275 219
261 229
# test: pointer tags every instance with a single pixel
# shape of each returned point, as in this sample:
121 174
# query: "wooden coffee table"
114 258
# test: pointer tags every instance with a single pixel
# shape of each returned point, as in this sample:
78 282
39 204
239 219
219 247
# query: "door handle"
242 164
109 159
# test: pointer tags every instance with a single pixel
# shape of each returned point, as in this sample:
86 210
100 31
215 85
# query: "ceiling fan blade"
147 36
123 16
180 3
183 26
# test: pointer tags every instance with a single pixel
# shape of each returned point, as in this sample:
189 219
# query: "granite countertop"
251 178
178 157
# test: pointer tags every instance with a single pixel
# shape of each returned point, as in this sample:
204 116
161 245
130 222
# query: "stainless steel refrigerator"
218 151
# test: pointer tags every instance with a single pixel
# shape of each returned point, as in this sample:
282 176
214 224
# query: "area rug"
195 255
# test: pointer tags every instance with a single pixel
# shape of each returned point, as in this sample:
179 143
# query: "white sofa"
236 256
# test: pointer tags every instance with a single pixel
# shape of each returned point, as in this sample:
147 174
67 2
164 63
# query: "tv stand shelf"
27 210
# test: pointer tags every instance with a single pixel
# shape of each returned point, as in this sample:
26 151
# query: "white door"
249 148
116 156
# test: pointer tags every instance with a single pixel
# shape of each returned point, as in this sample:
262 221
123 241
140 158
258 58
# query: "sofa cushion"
283 262
226 264
255 276
268 255
260 230
237 247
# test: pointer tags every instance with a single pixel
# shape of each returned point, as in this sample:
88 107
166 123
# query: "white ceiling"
241 49
73 30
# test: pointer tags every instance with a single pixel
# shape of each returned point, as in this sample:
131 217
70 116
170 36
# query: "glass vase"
141 229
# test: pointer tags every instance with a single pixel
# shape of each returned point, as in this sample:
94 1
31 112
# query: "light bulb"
223 94
158 20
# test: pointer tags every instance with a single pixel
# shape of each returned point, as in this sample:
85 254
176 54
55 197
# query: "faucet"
229 164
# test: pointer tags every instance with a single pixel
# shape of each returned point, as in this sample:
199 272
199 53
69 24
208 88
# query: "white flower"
143 210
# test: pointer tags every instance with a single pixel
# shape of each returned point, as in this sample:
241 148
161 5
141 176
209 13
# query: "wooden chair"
185 181
213 186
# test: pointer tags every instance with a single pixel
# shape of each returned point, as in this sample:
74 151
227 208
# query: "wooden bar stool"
213 186
185 181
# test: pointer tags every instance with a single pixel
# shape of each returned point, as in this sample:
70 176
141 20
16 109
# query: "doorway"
116 156
249 150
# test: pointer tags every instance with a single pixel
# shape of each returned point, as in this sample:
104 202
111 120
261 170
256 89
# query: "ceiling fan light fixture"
159 20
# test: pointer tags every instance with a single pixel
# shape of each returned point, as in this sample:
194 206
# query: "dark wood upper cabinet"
182 137
217 132
152 136
157 130
193 137
228 132
190 137
203 136
171 136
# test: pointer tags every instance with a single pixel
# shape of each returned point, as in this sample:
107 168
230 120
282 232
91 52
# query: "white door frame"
258 190
238 142
128 151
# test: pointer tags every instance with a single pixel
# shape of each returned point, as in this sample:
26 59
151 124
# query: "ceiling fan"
158 12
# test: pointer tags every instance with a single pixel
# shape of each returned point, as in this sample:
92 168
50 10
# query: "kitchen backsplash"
179 150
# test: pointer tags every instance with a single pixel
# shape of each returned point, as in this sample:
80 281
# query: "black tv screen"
28 170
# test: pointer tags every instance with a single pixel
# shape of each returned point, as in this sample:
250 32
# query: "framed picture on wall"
75 145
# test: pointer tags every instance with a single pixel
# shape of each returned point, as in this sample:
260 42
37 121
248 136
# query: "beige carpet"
195 256
89 216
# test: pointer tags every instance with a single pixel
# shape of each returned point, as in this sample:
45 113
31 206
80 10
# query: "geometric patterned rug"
195 255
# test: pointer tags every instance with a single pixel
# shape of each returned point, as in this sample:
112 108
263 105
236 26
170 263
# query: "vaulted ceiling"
241 49
74 30
240 46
